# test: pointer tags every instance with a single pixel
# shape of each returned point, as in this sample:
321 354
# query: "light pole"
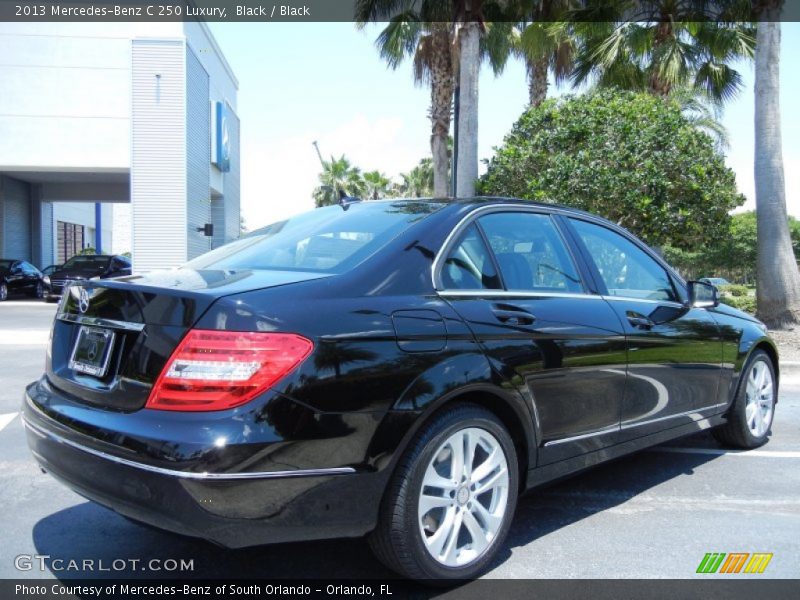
316 146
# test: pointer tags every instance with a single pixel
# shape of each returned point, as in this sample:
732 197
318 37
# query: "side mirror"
703 295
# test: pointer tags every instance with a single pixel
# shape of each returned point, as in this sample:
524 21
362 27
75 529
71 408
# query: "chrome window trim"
186 474
99 322
512 294
474 215
645 300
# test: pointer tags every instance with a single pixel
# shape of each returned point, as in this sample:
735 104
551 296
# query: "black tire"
3 291
397 540
736 432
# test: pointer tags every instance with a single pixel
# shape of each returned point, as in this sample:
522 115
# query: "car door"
31 276
674 350
15 280
512 278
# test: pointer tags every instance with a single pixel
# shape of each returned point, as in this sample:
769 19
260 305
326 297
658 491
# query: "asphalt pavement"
654 514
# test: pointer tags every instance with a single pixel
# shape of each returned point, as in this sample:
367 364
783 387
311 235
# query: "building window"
70 239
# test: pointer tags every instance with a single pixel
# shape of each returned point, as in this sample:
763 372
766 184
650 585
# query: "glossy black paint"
19 277
575 385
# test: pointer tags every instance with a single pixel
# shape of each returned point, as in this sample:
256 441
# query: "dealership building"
116 136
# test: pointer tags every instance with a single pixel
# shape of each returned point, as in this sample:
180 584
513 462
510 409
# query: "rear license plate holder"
92 351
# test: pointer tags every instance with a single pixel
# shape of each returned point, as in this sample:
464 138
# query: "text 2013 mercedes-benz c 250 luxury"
397 369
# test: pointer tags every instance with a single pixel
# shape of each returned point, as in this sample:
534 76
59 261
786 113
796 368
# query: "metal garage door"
17 219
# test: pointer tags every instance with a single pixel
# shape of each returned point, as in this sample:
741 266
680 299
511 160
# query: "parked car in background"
49 269
397 369
717 282
82 267
19 277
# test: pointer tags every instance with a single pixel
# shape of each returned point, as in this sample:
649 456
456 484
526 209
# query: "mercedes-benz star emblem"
83 300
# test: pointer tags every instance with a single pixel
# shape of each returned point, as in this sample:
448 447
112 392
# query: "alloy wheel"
463 497
3 292
760 398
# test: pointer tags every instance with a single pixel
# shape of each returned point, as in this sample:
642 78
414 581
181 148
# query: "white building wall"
158 161
68 84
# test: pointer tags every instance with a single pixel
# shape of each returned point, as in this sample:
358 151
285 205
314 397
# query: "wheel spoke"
451 549
437 541
476 532
490 521
427 503
457 458
494 460
489 483
434 480
472 440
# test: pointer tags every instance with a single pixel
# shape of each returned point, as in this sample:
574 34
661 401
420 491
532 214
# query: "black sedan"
19 277
81 267
396 369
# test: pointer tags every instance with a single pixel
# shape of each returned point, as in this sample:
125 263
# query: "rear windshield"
330 239
87 262
5 264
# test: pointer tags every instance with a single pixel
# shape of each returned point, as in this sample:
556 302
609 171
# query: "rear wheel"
450 503
750 417
3 292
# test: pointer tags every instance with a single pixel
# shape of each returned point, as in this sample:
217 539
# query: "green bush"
734 290
745 303
632 158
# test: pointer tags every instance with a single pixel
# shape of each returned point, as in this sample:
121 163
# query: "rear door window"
530 252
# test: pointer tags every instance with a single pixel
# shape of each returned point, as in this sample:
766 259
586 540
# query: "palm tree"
667 47
338 178
418 182
778 278
376 185
424 32
545 41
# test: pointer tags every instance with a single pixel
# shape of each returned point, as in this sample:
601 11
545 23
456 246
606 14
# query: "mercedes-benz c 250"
400 370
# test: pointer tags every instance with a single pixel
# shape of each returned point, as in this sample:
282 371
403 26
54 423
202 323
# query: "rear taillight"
215 370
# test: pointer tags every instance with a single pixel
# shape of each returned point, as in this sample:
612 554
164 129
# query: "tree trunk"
778 278
468 110
537 81
441 107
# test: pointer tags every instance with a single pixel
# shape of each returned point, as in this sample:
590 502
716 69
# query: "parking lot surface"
654 514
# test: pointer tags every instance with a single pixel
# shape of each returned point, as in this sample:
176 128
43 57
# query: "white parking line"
721 452
24 337
6 419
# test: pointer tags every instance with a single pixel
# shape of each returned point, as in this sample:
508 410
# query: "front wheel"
38 291
753 409
450 503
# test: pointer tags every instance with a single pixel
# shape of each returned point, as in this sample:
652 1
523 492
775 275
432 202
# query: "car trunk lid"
112 338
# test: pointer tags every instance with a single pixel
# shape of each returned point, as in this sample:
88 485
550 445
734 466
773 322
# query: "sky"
325 82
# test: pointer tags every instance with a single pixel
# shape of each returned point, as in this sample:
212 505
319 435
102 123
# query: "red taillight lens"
215 370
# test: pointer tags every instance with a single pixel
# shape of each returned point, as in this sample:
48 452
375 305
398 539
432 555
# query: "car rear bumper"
233 508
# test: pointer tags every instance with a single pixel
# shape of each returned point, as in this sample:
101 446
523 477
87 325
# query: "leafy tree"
338 177
376 185
778 276
418 182
670 45
629 157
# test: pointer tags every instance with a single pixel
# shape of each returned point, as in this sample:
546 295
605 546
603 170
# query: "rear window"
330 239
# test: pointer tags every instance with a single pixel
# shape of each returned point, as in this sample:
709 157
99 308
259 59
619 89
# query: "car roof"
489 200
